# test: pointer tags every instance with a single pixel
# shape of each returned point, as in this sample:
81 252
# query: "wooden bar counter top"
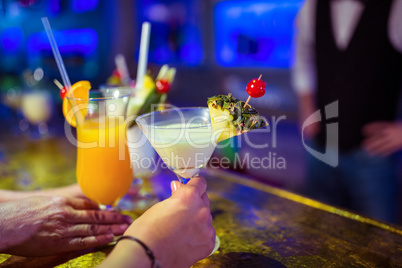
258 225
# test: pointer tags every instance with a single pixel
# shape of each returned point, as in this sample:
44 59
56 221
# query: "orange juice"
103 163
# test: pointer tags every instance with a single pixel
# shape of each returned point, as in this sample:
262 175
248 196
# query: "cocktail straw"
143 57
121 65
56 53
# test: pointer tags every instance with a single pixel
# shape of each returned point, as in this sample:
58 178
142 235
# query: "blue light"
191 52
176 36
161 54
54 6
81 6
11 39
254 33
82 41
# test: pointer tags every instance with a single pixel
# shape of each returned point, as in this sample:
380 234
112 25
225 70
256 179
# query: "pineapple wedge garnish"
241 120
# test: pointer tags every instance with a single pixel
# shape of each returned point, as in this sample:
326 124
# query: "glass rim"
126 94
178 109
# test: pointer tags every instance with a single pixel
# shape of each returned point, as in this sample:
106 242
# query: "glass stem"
182 180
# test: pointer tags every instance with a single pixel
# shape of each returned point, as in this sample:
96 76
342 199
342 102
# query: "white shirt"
345 15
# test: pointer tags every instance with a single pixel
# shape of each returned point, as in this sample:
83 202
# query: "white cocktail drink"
184 148
184 138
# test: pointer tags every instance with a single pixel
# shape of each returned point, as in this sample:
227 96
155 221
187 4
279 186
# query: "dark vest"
365 78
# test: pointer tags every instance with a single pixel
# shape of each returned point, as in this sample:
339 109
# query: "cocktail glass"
103 164
140 195
184 138
36 107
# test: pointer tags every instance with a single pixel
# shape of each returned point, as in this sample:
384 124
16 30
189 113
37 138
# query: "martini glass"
184 138
103 163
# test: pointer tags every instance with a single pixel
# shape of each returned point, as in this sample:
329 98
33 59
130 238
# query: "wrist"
147 250
127 254
136 251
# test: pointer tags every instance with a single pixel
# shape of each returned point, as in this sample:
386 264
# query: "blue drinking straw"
56 53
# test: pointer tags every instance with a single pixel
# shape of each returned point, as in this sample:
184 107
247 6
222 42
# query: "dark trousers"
362 183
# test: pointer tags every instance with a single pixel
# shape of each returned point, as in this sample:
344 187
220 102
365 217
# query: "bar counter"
258 225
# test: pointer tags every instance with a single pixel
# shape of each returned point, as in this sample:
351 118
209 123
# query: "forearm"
307 99
127 254
67 191
307 105
8 195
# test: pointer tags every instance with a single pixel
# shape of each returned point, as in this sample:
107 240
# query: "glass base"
108 207
140 197
137 202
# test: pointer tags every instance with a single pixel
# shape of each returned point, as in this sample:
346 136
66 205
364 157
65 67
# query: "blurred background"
216 46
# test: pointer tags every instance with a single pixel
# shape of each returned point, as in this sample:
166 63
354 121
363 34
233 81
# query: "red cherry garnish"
116 74
256 88
63 93
162 86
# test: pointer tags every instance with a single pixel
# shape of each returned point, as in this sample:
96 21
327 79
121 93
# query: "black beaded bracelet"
154 262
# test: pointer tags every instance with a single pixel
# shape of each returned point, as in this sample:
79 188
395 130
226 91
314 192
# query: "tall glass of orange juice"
103 163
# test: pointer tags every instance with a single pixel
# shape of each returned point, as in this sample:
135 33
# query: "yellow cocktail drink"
103 163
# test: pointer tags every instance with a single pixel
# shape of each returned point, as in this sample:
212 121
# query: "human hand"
178 230
308 116
41 226
382 138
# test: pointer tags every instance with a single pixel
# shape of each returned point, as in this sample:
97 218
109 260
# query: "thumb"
174 185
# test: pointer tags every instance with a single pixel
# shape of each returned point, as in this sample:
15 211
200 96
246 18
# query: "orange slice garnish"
79 90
